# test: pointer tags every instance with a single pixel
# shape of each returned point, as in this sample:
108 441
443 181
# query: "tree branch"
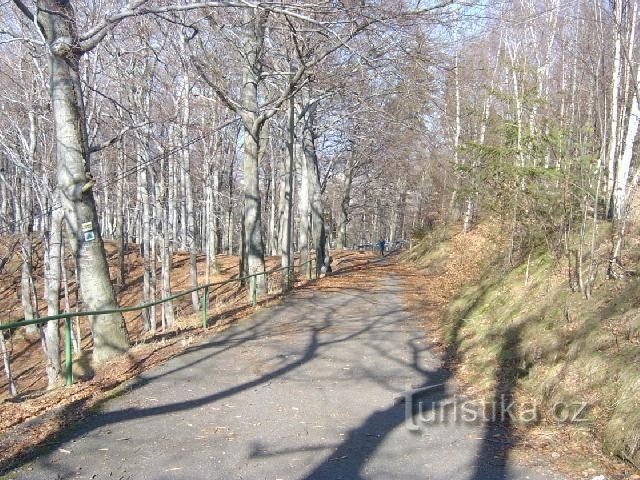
117 138
23 8
231 104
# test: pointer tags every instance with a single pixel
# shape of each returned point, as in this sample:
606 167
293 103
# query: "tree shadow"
499 435
233 338
348 458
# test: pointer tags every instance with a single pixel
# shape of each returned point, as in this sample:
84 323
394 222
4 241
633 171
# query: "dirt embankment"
522 332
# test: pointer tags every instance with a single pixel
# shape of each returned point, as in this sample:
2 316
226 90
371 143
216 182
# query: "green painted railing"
68 354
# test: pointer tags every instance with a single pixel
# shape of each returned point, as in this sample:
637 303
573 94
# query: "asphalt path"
312 388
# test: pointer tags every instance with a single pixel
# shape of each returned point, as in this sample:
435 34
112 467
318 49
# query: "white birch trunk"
616 74
624 161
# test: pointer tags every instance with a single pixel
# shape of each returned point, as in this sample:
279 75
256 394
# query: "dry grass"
567 349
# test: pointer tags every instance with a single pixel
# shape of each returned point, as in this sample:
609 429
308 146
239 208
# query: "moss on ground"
568 349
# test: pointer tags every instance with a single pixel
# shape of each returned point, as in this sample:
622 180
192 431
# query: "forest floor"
37 415
343 347
227 302
312 387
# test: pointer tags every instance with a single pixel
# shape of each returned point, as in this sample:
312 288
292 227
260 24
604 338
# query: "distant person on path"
381 245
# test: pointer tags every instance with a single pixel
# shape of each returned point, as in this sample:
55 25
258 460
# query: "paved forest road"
304 390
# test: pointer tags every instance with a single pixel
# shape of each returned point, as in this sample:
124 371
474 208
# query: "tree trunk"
304 203
317 211
344 204
143 189
616 74
26 279
229 217
253 251
273 224
623 164
120 224
52 296
166 234
286 221
456 137
188 219
6 360
213 198
74 184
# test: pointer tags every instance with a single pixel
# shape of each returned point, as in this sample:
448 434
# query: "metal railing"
67 316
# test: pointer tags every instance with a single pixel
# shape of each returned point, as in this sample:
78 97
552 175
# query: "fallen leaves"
36 420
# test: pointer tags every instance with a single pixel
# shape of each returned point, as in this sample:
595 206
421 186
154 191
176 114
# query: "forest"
247 130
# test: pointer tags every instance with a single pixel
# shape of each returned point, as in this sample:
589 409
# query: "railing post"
254 294
205 301
309 269
68 360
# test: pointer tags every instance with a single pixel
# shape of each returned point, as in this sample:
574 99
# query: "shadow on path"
369 332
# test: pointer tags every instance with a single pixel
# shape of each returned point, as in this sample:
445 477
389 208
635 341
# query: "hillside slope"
27 358
544 345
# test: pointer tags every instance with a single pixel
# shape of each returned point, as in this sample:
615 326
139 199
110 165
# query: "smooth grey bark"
166 234
29 296
456 137
620 195
52 296
188 216
141 99
343 213
153 252
6 361
304 207
315 190
120 223
211 187
76 334
623 163
272 236
403 213
616 74
26 275
5 204
228 180
283 159
172 181
213 222
56 19
229 213
149 322
286 220
253 251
